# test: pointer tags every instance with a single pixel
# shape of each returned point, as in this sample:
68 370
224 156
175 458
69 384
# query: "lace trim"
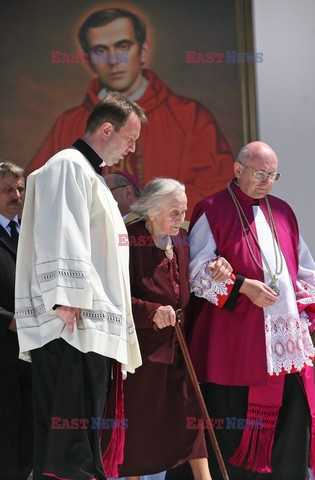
305 318
204 286
288 343
26 312
305 293
61 272
101 315
113 323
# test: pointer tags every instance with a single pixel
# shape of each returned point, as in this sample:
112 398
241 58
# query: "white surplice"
69 255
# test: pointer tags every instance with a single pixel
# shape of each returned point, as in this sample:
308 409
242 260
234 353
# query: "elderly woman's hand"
164 316
221 269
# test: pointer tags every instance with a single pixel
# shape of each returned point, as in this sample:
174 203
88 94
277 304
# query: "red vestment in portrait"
181 140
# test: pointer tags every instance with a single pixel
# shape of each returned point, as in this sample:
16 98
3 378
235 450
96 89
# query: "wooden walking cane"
204 411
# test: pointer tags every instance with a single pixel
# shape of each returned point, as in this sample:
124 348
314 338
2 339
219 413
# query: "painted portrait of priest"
170 57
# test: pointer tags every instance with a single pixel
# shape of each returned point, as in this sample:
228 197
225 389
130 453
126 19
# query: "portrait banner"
190 65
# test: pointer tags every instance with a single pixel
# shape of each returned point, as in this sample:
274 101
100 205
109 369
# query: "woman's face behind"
172 215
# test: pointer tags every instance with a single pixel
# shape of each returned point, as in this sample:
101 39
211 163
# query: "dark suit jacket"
150 289
8 340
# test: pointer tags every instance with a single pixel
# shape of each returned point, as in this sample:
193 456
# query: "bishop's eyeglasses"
262 176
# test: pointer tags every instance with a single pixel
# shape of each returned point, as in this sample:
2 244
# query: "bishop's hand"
258 292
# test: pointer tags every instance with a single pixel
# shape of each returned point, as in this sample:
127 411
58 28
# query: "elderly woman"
159 396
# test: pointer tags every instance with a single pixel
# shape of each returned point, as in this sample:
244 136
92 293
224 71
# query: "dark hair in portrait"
108 15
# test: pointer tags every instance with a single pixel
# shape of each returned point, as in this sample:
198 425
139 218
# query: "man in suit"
16 435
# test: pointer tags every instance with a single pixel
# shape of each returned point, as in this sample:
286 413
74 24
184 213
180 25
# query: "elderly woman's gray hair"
156 194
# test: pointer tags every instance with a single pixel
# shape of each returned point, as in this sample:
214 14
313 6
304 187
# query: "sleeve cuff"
230 304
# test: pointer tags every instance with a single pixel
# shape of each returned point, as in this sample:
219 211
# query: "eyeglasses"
135 189
119 186
262 176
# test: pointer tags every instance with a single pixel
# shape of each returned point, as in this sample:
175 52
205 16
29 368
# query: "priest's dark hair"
108 15
115 108
10 169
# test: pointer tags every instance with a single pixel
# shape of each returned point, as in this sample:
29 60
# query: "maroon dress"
159 396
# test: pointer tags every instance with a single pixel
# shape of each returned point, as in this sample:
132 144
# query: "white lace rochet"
288 343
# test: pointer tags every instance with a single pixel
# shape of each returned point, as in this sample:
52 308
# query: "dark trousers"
69 390
291 445
16 423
